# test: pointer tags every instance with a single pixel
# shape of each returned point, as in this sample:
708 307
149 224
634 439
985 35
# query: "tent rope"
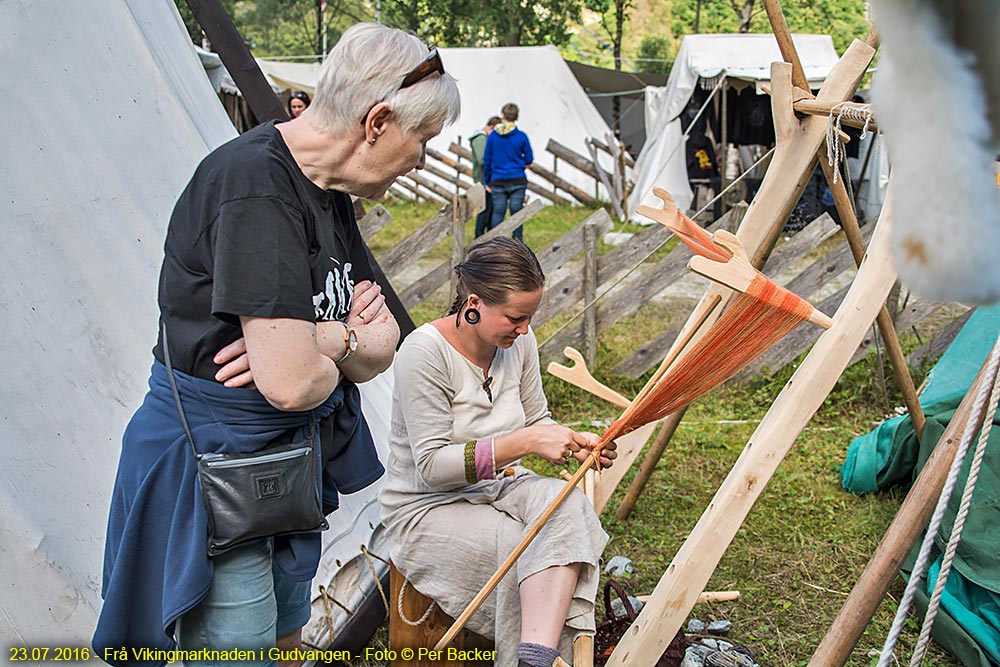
378 582
923 559
956 531
329 612
652 252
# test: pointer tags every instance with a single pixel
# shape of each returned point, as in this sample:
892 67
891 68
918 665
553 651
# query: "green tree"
654 55
843 20
480 23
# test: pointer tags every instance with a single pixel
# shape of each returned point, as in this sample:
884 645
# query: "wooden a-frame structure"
798 143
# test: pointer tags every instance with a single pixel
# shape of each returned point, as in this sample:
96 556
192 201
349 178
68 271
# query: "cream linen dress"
447 536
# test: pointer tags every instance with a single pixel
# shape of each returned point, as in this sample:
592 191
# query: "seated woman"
468 403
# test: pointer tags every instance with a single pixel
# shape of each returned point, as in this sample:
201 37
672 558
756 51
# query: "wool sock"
536 655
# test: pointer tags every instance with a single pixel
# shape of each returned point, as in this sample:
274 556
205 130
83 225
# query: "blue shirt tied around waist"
156 565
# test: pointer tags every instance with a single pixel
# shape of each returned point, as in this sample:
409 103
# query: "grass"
804 542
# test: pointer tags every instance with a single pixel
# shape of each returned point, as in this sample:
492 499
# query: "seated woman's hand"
608 454
555 443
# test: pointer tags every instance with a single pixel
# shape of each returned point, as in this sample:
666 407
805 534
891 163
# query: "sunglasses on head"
429 65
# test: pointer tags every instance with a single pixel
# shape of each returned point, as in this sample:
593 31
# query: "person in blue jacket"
508 154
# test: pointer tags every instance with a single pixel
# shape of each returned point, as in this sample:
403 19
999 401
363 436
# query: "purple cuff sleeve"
484 459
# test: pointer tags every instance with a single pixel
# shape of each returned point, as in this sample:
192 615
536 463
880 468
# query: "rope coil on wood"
399 607
834 146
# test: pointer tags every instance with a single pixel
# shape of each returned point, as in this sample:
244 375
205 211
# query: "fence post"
460 206
590 292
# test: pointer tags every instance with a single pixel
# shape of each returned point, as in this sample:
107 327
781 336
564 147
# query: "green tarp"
891 455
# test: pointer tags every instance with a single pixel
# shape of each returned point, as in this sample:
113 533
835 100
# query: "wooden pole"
784 37
815 108
852 230
899 538
648 464
460 207
590 292
764 219
583 651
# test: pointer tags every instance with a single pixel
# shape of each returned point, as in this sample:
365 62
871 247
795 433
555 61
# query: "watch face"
352 340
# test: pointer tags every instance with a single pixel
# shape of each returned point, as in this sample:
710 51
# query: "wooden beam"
562 184
572 157
696 560
815 108
785 44
427 183
374 221
236 57
417 243
605 148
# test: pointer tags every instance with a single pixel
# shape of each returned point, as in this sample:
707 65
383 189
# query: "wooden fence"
589 293
453 174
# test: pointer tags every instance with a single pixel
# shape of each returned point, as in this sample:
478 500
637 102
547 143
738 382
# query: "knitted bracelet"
470 462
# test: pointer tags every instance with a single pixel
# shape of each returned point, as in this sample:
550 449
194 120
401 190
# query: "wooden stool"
422 638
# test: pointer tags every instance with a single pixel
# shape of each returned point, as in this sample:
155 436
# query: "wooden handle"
707 596
579 376
737 273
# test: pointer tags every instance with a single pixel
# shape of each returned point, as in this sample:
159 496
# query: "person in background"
477 142
507 155
271 317
297 103
467 406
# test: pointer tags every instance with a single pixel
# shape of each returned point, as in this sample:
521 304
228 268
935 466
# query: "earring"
372 140
472 316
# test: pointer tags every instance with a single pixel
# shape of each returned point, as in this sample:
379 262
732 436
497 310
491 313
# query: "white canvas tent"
87 181
536 78
701 57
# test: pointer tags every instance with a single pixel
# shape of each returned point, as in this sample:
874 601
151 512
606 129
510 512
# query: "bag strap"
173 388
180 408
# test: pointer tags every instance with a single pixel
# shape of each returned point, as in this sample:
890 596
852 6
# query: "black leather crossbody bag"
274 491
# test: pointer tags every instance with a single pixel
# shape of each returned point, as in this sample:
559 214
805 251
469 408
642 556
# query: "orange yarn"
756 320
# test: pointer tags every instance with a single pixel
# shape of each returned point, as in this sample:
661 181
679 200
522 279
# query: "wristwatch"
350 342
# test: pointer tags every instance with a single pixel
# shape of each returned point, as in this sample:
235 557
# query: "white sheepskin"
933 100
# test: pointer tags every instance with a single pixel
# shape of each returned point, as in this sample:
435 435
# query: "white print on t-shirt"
334 303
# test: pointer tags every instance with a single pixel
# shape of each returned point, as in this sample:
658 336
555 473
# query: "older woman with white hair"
269 315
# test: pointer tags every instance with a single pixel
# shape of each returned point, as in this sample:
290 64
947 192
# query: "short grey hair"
366 67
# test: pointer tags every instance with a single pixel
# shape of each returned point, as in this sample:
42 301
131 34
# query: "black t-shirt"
252 236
